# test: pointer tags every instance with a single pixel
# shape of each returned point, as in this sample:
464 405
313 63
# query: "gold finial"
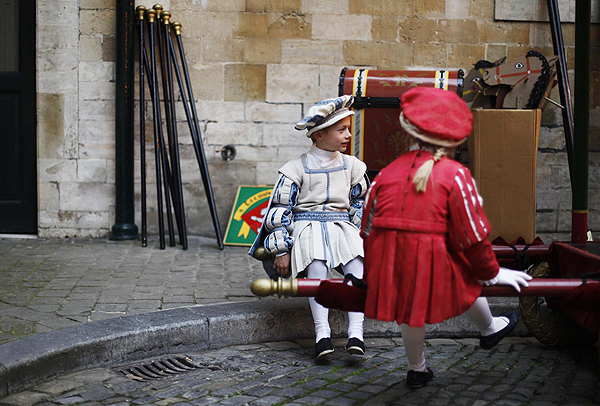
140 11
262 255
267 287
166 17
177 27
158 8
151 15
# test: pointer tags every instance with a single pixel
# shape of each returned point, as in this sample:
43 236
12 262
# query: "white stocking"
355 319
482 317
318 270
413 338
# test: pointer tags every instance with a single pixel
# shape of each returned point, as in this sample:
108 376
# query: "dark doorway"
18 158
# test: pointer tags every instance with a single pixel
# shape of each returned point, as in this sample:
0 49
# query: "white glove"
509 277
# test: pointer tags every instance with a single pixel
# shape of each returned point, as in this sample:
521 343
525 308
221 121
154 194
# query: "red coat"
424 252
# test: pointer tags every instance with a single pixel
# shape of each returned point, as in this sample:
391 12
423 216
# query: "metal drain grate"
157 369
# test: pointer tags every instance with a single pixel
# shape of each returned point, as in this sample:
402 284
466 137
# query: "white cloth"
324 181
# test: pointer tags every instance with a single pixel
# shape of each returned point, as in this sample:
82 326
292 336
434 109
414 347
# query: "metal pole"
195 132
583 15
124 227
141 11
563 80
151 15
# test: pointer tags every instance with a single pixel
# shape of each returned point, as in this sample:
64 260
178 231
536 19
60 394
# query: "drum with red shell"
377 137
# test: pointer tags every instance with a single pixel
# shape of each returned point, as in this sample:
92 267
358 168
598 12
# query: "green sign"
249 210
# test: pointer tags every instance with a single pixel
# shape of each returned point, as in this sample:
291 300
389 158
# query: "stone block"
245 82
96 4
210 25
223 50
482 9
341 27
289 153
256 153
193 49
57 60
493 52
104 90
283 135
420 30
96 71
96 109
560 177
381 8
220 111
552 138
516 51
430 8
384 55
57 170
457 9
430 55
273 113
385 28
458 31
92 170
51 125
595 101
543 177
325 7
273 6
109 48
292 83
98 22
90 48
290 26
262 50
251 25
86 196
54 81
266 172
320 52
329 77
207 81
48 196
219 134
64 17
74 220
464 56
49 39
546 221
503 32
209 5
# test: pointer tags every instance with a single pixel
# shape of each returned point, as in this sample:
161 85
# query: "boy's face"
335 137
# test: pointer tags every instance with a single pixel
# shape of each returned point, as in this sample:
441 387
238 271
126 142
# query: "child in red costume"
424 212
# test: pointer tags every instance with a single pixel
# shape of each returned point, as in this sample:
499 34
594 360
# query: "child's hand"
282 265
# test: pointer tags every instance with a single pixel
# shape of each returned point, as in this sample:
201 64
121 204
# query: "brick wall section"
256 66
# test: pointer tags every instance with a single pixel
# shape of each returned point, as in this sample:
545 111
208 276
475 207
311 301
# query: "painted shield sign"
247 214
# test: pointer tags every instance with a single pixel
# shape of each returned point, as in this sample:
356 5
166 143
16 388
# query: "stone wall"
256 67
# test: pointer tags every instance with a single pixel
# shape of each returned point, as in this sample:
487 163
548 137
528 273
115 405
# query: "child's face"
335 137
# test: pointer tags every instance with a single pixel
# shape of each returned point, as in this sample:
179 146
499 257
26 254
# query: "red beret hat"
435 116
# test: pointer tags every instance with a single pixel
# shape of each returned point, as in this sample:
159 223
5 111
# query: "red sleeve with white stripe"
469 228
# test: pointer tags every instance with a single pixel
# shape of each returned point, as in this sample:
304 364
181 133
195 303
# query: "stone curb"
41 357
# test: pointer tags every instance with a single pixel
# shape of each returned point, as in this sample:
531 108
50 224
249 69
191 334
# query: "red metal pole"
537 287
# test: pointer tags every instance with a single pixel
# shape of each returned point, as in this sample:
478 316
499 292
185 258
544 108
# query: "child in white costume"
315 213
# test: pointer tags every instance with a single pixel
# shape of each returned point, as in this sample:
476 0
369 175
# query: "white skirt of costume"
336 242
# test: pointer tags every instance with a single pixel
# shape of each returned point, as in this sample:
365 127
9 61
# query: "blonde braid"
424 171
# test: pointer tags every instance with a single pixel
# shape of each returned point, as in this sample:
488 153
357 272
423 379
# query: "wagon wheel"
551 327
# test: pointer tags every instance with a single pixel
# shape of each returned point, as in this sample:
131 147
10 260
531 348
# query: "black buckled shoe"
415 379
355 346
489 342
323 347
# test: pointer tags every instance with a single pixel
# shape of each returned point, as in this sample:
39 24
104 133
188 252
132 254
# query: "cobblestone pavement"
46 284
519 371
